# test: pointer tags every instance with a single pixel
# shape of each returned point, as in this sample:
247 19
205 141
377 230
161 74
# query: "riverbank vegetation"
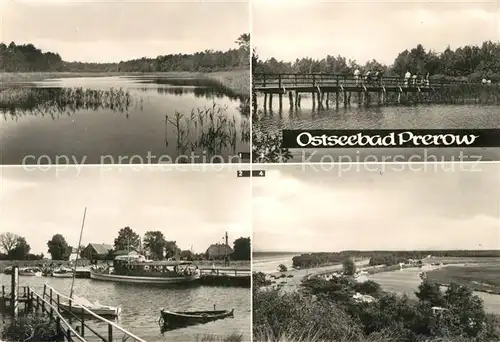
482 278
467 62
29 327
309 260
331 310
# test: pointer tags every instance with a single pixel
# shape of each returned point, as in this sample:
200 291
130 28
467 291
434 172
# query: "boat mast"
77 254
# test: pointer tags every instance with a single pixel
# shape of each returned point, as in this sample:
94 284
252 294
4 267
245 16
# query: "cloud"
363 30
295 210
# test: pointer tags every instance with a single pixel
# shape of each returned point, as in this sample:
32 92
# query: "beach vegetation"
349 267
282 268
326 310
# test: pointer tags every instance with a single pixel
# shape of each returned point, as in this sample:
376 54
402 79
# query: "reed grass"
20 101
210 129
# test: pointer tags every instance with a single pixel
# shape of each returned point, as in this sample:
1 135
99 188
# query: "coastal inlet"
123 120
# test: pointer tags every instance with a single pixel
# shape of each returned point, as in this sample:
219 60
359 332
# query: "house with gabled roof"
97 251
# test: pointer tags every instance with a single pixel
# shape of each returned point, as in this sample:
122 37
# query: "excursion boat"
174 320
31 272
96 307
137 269
62 273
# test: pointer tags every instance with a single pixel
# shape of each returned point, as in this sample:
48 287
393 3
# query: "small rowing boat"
174 320
31 272
96 307
62 273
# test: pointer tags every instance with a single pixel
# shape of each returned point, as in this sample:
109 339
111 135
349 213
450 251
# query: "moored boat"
96 308
173 320
62 273
140 270
31 272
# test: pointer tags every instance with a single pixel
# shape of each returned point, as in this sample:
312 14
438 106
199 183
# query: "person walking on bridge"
356 76
407 78
378 77
368 76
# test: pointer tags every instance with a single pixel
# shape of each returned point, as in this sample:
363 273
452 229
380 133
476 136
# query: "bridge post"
270 101
14 283
265 101
58 328
290 99
110 333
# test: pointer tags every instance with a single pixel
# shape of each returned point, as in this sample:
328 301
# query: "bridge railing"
281 81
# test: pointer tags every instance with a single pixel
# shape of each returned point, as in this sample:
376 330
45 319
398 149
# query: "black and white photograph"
377 253
373 65
124 82
122 254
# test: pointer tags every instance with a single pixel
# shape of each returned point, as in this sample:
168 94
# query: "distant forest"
471 62
28 58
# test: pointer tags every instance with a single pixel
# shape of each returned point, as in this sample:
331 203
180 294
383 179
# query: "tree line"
28 58
467 62
308 260
154 243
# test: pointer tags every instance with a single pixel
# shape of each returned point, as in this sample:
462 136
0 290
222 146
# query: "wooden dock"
329 88
226 277
69 327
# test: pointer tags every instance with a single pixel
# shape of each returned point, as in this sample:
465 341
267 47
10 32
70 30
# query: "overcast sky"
314 211
192 208
365 30
111 31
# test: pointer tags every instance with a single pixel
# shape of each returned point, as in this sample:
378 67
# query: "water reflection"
191 119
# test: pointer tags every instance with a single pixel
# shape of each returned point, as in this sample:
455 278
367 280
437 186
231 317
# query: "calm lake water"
122 120
392 117
141 306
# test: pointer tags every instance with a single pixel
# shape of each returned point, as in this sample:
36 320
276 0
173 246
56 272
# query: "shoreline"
237 80
326 270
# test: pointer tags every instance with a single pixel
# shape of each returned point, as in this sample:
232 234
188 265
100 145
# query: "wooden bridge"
344 85
69 326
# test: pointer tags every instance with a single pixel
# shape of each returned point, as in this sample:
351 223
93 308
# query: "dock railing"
232 272
55 301
290 81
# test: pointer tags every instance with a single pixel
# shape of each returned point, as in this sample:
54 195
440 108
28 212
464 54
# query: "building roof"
101 248
220 248
124 252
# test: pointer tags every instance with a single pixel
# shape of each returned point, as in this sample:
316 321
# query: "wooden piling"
110 333
270 101
280 99
14 284
290 98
